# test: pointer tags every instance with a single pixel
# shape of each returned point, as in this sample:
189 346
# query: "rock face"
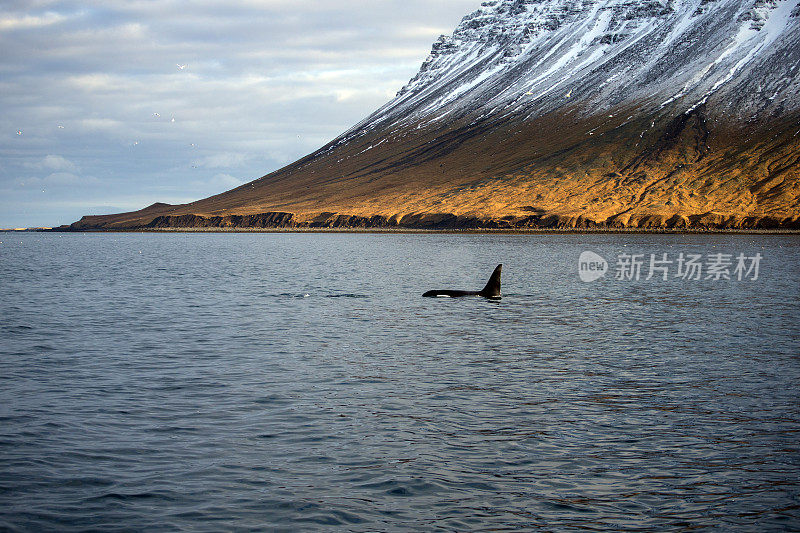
558 113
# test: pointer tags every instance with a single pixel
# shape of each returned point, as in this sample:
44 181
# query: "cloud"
226 181
100 124
267 82
57 179
30 21
223 160
52 162
428 32
65 178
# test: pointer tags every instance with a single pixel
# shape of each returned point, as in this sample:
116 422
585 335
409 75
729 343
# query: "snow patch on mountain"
531 57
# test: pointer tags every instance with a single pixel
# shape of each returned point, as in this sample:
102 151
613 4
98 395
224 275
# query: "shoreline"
422 231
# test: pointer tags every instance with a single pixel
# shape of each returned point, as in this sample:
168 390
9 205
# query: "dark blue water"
299 382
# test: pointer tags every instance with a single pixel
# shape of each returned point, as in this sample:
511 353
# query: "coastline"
421 231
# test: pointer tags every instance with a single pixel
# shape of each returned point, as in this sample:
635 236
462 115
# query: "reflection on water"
281 381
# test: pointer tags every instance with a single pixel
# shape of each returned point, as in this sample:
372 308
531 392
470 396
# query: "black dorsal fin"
492 288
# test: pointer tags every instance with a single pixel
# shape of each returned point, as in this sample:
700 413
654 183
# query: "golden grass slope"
566 169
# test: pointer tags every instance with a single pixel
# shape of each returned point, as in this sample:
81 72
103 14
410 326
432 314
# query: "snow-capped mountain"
560 113
532 57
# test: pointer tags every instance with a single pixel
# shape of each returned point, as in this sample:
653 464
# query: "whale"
491 290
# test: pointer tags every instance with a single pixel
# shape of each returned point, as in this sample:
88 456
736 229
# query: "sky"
110 106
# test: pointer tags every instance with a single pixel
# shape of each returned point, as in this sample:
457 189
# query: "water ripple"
270 382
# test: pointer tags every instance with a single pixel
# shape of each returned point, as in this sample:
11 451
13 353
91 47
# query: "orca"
491 290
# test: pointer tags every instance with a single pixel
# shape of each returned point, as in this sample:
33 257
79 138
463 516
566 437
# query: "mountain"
558 113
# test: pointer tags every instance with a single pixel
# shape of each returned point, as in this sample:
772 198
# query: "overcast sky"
110 106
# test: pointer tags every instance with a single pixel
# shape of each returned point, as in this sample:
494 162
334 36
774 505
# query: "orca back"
450 294
491 290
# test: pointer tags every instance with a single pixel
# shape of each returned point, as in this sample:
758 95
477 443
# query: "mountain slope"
554 113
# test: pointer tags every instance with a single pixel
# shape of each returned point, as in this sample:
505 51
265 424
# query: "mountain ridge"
551 113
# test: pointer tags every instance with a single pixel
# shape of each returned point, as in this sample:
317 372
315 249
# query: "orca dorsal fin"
492 288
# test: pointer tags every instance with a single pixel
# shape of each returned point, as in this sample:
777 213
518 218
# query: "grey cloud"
268 81
57 179
222 160
52 162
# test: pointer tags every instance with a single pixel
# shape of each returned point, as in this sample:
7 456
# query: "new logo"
591 266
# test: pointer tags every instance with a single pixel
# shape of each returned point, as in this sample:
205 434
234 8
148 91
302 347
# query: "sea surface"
299 382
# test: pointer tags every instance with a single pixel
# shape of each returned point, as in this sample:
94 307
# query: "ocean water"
299 382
